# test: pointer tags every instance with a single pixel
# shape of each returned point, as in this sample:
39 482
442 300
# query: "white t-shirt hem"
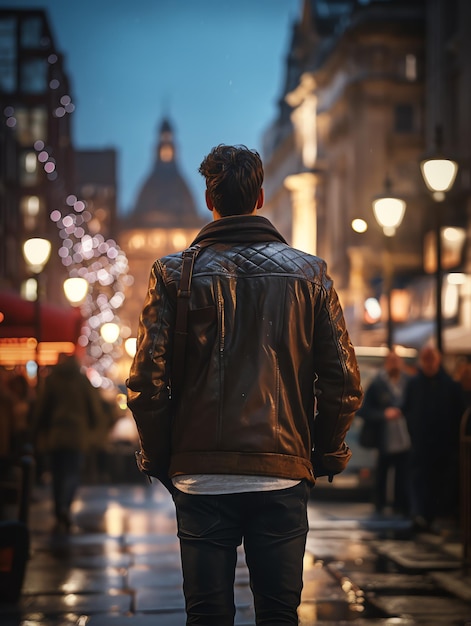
220 484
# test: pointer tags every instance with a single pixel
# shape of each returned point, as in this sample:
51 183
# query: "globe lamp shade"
37 252
75 289
389 212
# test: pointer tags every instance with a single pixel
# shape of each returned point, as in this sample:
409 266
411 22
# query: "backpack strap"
181 322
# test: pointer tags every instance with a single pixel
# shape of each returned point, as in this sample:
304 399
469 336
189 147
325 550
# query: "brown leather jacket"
264 319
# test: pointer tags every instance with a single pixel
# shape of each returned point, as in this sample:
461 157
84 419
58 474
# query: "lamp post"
389 212
76 290
36 252
439 175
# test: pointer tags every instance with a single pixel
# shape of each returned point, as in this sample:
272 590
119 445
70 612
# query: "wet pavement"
120 566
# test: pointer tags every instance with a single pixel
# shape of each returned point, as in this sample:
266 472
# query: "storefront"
22 321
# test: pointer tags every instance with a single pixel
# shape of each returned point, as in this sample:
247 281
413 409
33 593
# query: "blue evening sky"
214 67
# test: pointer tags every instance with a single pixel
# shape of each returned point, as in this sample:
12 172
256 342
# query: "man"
235 452
381 410
433 406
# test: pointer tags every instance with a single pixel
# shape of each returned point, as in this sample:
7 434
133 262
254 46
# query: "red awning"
18 319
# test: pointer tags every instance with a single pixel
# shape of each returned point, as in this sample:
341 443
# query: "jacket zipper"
220 302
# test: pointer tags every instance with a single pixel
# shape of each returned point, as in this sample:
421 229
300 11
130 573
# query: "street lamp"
75 290
130 346
439 175
36 252
389 212
110 332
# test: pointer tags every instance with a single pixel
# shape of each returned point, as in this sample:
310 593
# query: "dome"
165 200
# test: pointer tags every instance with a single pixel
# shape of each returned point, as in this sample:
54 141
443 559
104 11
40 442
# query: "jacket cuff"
160 473
330 463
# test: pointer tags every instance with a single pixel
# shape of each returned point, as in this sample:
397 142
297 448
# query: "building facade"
50 191
357 115
96 184
36 154
36 173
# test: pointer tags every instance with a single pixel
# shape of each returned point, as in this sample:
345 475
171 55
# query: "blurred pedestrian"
463 376
7 430
433 406
381 411
235 451
7 423
22 398
67 412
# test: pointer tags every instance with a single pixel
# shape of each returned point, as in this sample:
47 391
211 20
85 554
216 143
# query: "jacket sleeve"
148 383
339 387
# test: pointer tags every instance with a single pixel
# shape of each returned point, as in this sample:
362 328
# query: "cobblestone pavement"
120 566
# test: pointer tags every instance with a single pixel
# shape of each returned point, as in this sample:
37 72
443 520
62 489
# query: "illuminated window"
411 67
102 215
29 289
31 125
94 226
453 240
154 240
30 162
451 299
166 153
400 305
29 168
179 240
137 242
30 208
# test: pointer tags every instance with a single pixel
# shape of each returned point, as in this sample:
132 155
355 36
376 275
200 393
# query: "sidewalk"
120 566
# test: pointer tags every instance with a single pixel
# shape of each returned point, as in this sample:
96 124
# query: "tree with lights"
104 266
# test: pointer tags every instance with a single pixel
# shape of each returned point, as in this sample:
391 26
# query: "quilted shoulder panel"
243 259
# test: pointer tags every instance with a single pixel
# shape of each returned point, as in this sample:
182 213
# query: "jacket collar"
238 229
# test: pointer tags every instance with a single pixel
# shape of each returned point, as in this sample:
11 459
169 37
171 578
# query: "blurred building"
96 185
366 85
35 136
35 102
51 191
164 220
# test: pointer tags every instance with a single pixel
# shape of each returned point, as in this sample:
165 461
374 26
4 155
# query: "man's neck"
218 216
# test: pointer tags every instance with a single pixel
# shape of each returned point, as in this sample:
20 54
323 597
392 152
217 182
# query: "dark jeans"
273 526
66 467
399 464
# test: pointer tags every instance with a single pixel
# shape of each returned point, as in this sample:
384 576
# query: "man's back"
261 320
236 452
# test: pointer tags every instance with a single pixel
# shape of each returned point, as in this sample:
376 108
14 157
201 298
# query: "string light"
104 266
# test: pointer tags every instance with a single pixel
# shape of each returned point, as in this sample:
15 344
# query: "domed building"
164 220
165 200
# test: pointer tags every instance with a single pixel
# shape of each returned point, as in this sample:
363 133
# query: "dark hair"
234 177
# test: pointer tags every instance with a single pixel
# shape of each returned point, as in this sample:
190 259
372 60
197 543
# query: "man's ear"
209 203
261 198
